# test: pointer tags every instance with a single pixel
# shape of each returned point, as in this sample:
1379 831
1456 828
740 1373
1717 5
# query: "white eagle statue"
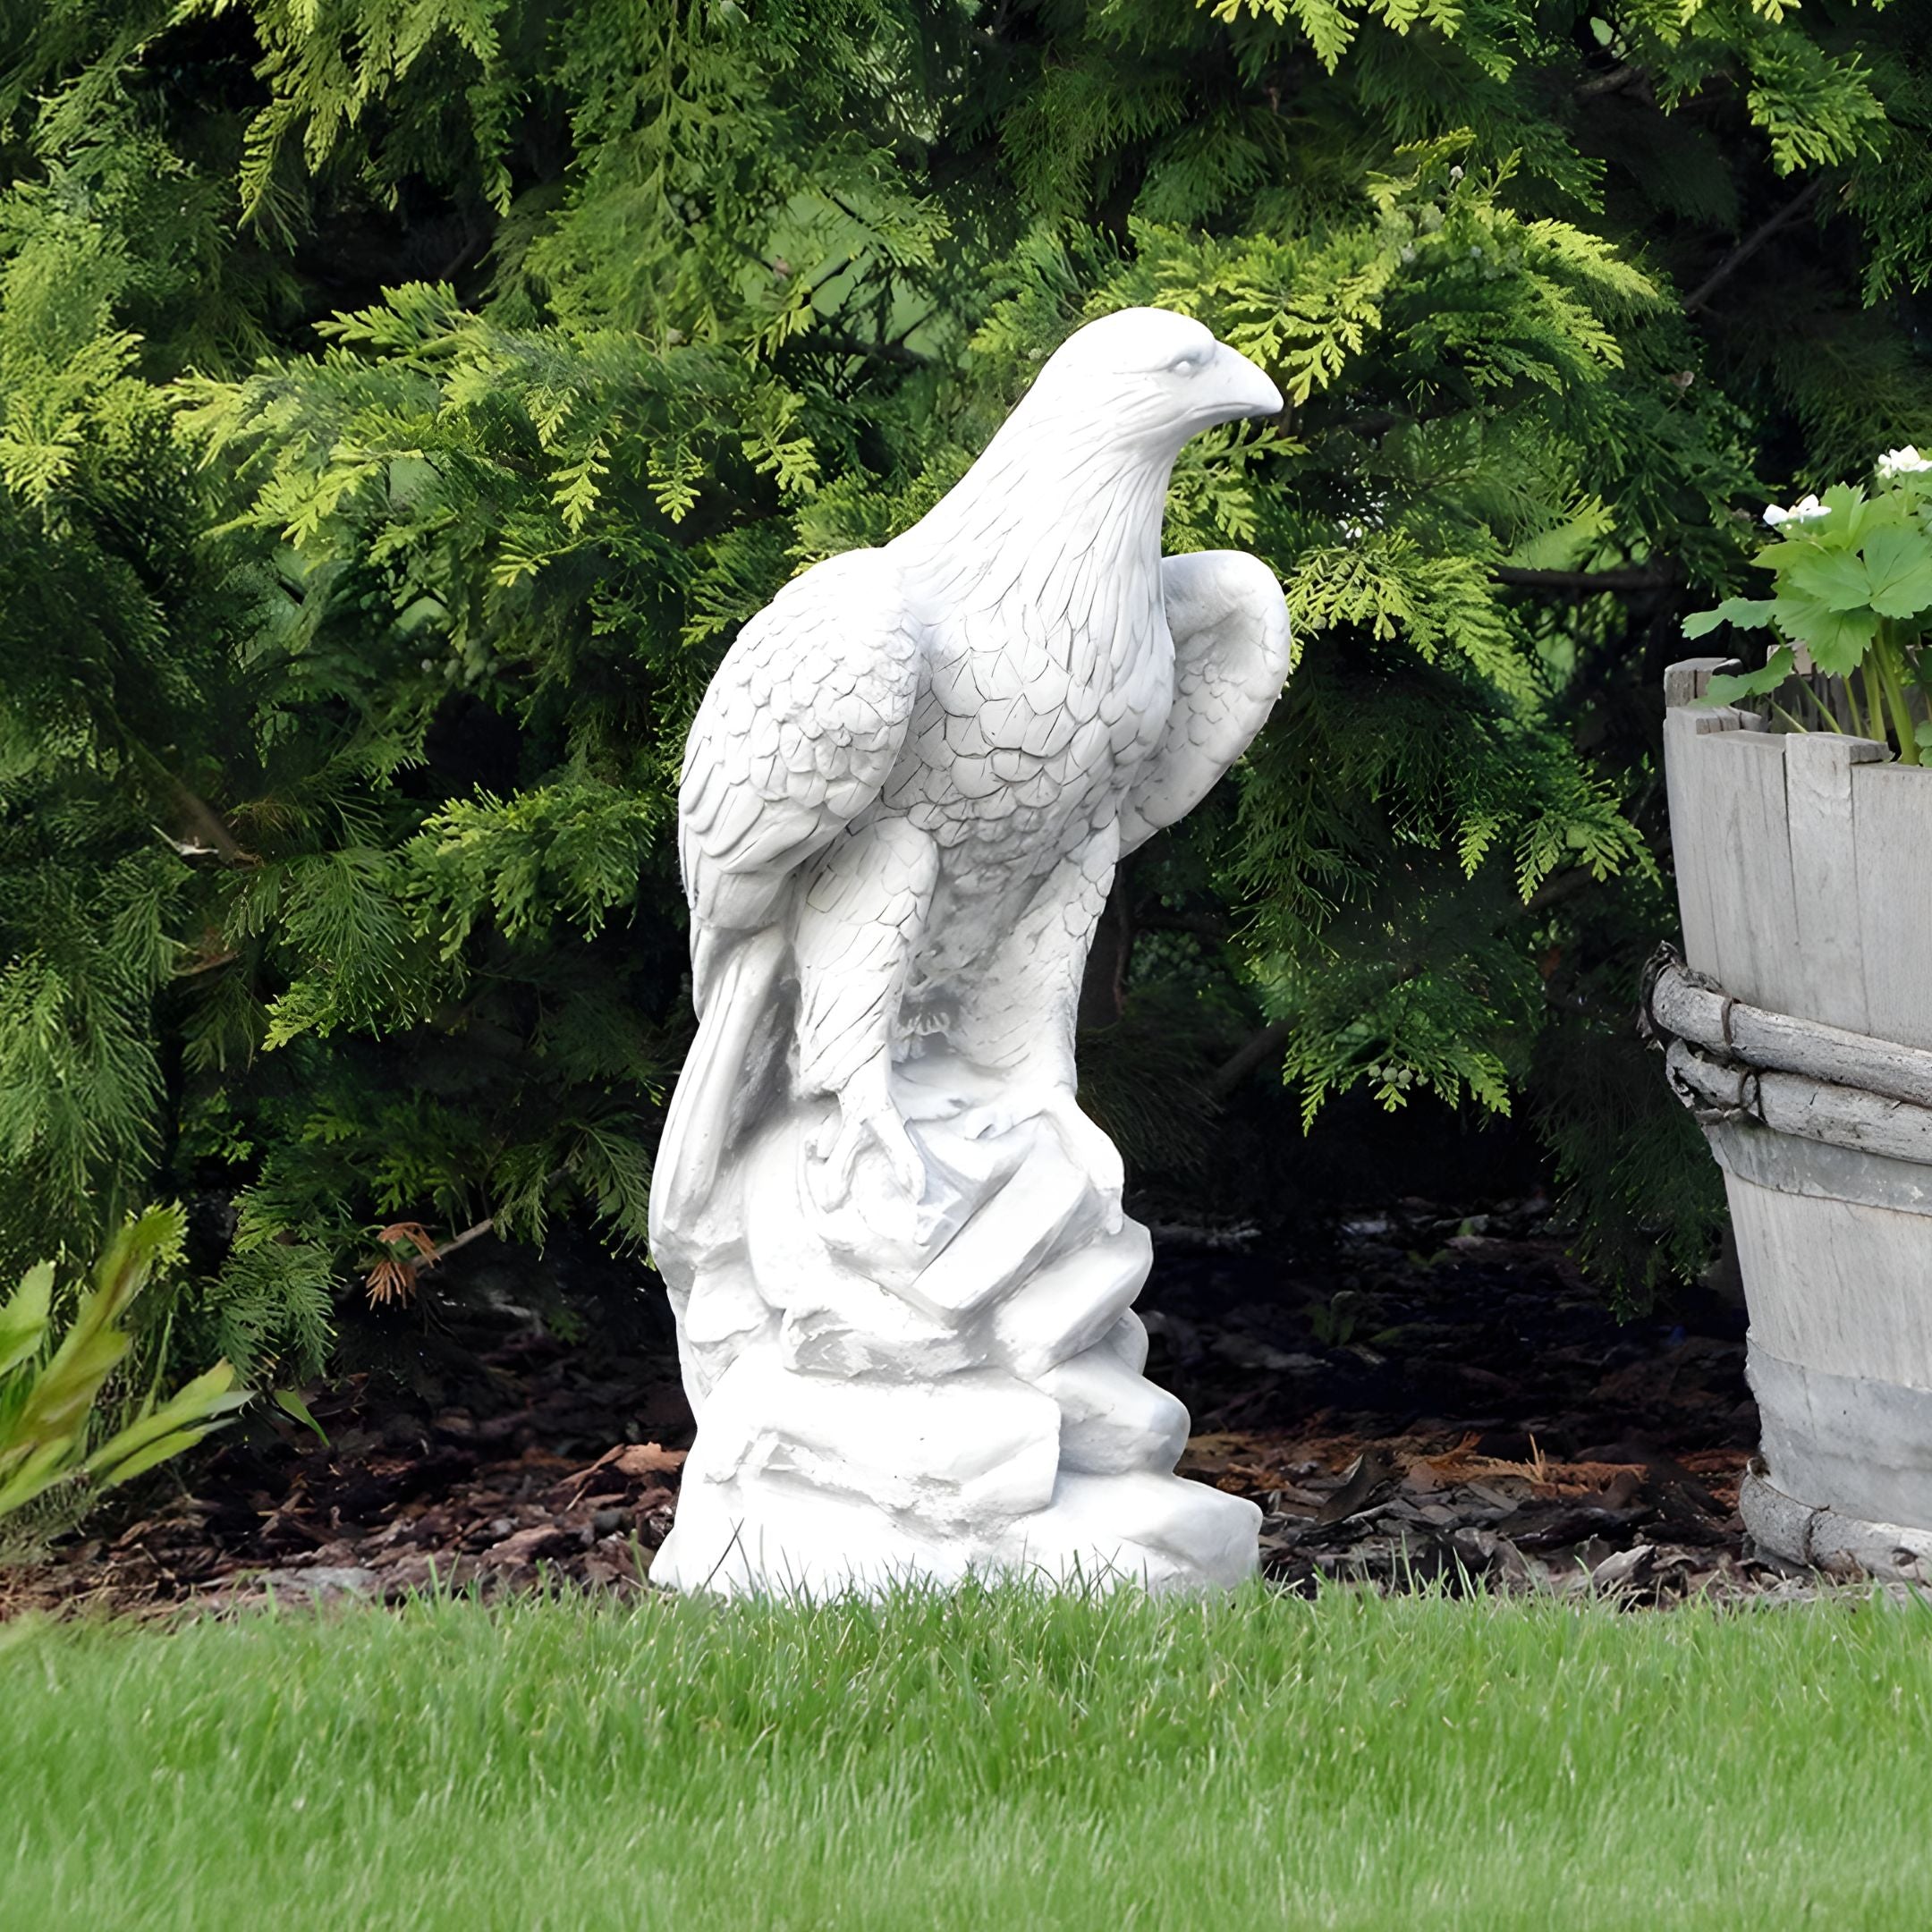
893 1243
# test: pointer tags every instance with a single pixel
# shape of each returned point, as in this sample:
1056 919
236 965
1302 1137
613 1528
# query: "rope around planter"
1728 1060
1803 1108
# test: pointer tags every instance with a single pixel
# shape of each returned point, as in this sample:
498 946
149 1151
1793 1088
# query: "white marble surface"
893 1243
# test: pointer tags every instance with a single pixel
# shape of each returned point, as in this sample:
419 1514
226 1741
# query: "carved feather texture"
799 728
1232 653
1017 672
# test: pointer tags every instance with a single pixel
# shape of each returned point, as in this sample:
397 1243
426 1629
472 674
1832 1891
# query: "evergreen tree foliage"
402 402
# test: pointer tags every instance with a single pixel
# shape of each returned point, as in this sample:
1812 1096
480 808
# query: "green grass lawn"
999 1760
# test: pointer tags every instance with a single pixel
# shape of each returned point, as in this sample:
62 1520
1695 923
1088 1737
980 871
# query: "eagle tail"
742 974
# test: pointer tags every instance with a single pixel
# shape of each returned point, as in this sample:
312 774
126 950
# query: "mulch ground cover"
1426 1397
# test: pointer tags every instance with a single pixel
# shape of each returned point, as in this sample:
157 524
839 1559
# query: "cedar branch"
1781 218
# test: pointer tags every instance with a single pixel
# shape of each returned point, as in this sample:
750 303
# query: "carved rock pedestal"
966 1402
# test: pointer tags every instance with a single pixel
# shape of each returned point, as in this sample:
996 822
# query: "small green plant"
46 1407
1852 588
1334 1322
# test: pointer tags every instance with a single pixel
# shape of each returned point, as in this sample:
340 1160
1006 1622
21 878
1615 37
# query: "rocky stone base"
964 1397
1160 1533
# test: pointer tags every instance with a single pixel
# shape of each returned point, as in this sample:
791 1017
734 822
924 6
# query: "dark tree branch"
485 1035
205 835
1612 82
1248 1056
487 1225
471 245
1639 577
1799 204
876 352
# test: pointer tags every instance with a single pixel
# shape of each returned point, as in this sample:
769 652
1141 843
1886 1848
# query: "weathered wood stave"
1804 873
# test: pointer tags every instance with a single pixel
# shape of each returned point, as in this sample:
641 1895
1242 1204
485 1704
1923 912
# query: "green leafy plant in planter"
1852 575
48 1406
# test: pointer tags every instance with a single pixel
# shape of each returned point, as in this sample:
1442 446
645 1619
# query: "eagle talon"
839 1143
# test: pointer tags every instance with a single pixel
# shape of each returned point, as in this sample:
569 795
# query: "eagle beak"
1234 387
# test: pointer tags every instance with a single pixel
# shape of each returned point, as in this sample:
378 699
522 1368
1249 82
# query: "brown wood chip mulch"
1427 1400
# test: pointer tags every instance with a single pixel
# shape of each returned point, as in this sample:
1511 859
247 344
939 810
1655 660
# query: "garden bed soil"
1422 1397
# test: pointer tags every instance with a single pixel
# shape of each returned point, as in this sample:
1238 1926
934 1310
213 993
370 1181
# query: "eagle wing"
1231 656
796 736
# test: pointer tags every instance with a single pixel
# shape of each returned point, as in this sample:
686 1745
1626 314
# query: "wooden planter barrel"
1804 881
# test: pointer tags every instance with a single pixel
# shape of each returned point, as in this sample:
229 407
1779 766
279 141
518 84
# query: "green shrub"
403 403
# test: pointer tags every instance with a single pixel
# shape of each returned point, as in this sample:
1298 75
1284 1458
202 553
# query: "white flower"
1810 510
1906 462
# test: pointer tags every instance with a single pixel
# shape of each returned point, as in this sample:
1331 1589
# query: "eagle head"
1151 378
